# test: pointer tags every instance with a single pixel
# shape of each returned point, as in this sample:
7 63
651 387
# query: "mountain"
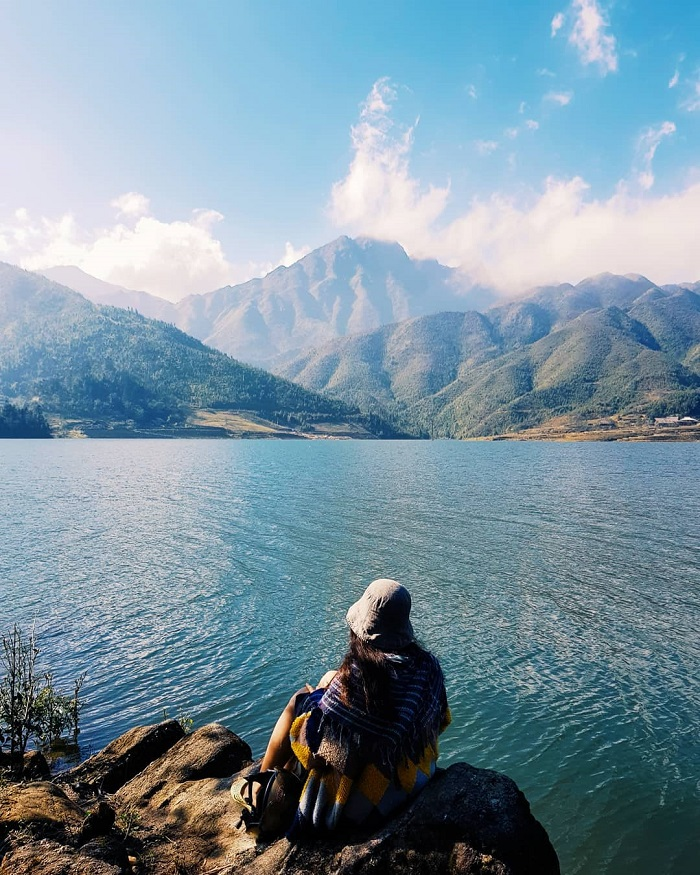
79 359
345 287
100 292
608 345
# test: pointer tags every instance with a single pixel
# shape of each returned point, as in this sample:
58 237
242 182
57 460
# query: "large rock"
40 805
123 758
50 858
466 821
187 787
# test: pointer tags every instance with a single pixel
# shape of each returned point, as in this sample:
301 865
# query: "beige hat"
380 616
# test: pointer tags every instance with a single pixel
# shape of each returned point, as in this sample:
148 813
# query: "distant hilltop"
349 286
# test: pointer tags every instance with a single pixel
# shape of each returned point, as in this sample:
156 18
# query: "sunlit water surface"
558 583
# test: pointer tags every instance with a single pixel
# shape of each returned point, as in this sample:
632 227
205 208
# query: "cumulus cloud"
561 98
378 191
292 254
170 259
554 234
557 23
590 37
647 145
132 204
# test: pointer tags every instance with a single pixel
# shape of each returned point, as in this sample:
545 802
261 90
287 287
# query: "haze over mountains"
78 359
345 287
398 338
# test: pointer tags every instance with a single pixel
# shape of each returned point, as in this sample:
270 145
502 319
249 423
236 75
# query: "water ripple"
558 584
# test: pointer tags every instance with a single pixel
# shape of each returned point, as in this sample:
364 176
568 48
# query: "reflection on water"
558 583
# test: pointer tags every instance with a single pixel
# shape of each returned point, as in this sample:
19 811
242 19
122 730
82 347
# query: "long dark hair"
370 669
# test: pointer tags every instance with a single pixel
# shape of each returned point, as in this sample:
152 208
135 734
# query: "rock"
188 785
181 819
50 858
98 822
35 767
39 805
109 850
123 758
466 821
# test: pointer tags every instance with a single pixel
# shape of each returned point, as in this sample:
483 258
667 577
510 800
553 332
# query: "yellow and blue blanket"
360 767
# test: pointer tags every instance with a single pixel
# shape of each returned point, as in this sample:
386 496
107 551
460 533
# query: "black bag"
272 813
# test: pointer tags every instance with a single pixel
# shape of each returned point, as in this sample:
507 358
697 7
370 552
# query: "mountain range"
405 341
345 287
79 359
609 345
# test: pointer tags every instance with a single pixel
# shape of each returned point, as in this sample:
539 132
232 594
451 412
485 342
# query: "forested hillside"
345 287
611 345
22 422
79 359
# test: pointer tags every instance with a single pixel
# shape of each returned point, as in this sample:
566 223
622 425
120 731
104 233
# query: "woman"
366 739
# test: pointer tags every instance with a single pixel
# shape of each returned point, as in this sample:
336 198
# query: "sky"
176 147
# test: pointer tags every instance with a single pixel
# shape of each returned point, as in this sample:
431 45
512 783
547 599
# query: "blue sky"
176 147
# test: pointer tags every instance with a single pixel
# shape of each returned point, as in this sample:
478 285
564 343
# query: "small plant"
186 721
31 708
127 820
18 690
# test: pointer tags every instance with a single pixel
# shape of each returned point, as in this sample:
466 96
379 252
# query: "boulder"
50 858
188 786
123 758
34 765
41 805
210 752
466 821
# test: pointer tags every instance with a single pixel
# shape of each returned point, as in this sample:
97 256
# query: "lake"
558 583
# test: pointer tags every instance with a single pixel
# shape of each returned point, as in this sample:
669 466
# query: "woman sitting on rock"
366 739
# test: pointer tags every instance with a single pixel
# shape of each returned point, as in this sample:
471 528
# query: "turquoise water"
558 583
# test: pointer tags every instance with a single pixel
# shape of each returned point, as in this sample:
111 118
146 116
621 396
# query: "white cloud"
543 71
647 145
170 259
511 133
557 23
522 107
292 254
132 204
673 81
561 98
472 92
378 191
589 36
531 124
486 147
559 233
692 103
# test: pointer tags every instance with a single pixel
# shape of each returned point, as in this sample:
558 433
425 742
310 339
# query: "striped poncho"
358 766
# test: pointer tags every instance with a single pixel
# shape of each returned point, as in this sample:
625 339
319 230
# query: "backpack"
272 813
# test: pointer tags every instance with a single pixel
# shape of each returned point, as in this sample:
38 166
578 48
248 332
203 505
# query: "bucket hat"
380 616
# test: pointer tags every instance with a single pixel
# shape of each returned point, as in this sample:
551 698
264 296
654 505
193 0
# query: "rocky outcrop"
176 815
123 758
